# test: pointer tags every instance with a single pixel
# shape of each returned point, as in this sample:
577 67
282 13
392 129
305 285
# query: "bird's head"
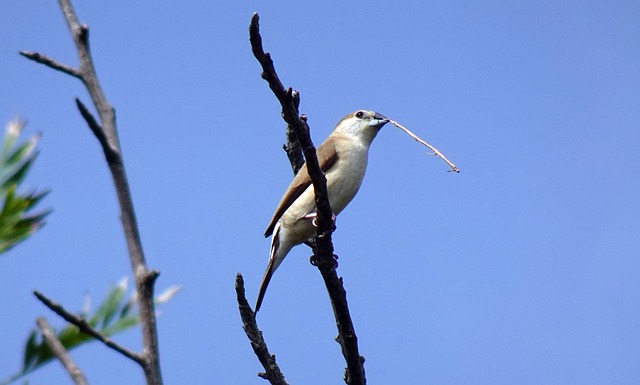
362 124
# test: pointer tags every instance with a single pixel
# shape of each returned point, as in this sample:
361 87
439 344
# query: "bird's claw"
315 224
315 261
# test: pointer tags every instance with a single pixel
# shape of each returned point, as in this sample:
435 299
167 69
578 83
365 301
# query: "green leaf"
109 307
121 325
24 151
16 221
30 350
16 175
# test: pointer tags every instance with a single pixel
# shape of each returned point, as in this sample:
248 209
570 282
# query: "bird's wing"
327 157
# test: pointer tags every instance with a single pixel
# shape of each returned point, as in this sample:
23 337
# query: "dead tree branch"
104 128
60 352
289 100
250 326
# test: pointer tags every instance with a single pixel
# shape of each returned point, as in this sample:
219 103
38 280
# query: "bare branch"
111 155
292 147
106 132
269 72
84 327
60 352
354 373
250 326
289 100
51 63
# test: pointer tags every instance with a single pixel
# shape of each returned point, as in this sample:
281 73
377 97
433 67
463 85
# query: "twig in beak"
435 151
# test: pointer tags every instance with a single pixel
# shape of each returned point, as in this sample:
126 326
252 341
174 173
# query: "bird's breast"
345 178
343 182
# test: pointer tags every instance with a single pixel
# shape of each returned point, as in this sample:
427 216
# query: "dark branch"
292 147
269 71
346 333
289 100
250 326
51 63
84 327
60 352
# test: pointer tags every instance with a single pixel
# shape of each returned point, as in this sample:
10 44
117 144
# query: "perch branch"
84 327
60 352
250 326
106 132
289 100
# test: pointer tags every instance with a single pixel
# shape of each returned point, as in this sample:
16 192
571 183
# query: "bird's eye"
359 114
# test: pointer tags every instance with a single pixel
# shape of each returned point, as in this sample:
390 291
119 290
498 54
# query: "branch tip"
257 342
51 63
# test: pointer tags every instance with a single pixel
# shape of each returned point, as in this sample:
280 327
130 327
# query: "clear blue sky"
522 269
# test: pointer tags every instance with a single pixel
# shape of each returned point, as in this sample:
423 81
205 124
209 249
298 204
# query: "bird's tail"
265 282
274 262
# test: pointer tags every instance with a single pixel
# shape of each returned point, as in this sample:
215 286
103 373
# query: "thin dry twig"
60 352
323 250
84 327
259 345
51 63
106 132
435 151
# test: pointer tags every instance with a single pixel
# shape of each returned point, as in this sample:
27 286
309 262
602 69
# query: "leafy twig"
16 221
85 327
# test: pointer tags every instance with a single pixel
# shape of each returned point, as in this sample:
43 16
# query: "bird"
343 158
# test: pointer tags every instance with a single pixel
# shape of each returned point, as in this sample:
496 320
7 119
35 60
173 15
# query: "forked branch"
86 328
104 128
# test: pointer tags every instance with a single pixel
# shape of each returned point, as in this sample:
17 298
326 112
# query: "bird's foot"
315 261
314 220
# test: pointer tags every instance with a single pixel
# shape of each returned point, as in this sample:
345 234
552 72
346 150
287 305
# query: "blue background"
522 269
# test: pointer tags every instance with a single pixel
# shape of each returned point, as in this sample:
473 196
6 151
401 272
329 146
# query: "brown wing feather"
327 157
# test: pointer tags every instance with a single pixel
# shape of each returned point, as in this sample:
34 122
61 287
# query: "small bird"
343 158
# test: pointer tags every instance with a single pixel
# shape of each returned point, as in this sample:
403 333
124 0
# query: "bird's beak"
378 120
